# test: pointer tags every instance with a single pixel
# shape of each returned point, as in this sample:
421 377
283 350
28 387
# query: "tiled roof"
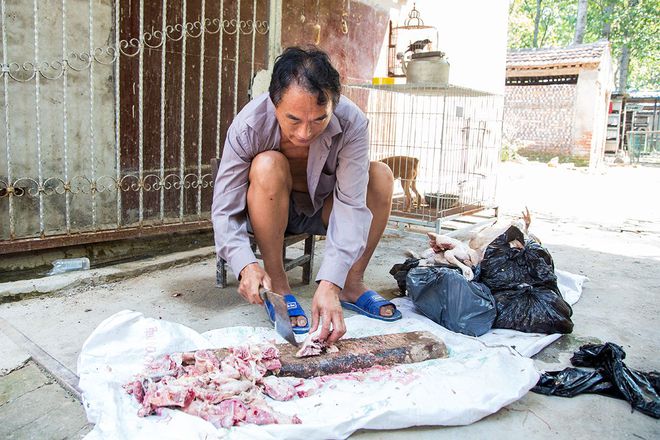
579 54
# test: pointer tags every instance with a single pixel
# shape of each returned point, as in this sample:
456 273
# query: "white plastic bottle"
69 265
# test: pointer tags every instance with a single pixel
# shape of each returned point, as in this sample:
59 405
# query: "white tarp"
474 381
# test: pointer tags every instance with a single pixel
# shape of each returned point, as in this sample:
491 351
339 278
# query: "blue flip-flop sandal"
294 309
369 304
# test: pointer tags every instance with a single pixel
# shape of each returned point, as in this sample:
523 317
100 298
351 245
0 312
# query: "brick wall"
582 147
538 119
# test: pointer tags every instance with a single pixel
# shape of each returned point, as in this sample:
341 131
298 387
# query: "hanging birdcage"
404 41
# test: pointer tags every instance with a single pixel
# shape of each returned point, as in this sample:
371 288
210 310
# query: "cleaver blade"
282 320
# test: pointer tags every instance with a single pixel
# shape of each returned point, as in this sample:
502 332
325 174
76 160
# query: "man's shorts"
301 223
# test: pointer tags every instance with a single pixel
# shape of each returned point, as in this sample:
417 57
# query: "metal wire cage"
442 144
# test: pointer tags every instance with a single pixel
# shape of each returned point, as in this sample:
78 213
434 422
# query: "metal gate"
112 111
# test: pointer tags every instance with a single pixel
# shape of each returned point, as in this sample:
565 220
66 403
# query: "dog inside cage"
404 168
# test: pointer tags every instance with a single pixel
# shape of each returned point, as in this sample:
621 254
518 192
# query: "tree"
537 19
552 29
607 18
624 62
581 24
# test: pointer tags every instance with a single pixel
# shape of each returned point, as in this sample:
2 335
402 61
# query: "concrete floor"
601 224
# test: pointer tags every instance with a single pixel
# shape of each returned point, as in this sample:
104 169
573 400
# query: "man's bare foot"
351 294
296 321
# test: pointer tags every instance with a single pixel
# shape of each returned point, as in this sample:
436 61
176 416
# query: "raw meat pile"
225 392
311 346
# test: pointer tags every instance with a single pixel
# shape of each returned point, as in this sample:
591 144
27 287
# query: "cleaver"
282 320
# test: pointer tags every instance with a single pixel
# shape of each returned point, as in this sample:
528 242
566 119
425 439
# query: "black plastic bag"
505 267
612 377
445 296
636 387
400 272
533 310
570 382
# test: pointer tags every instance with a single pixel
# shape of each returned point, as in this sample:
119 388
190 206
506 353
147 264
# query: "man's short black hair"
309 68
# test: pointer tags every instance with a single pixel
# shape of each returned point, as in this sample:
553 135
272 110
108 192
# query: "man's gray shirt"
338 165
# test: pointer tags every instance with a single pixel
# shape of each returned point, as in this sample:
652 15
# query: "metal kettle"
427 68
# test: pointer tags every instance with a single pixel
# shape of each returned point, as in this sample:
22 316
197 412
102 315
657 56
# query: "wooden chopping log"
358 353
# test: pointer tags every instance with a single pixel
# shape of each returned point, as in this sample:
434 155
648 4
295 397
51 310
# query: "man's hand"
252 277
326 310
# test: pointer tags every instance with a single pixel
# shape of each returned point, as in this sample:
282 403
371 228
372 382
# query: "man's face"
301 119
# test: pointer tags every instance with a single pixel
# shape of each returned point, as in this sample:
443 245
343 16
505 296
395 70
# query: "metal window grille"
112 111
541 80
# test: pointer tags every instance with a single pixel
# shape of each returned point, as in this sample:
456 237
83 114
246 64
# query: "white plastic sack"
473 382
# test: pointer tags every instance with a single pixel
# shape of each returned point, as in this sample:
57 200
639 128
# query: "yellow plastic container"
382 80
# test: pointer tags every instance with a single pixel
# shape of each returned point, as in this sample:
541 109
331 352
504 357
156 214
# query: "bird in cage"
418 45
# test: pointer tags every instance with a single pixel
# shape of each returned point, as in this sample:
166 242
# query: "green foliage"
506 153
540 156
509 150
635 23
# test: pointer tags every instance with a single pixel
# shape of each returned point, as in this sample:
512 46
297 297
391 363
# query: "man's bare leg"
268 207
379 202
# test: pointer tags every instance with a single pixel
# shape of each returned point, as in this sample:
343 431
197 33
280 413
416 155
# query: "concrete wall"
604 85
586 101
591 106
353 53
